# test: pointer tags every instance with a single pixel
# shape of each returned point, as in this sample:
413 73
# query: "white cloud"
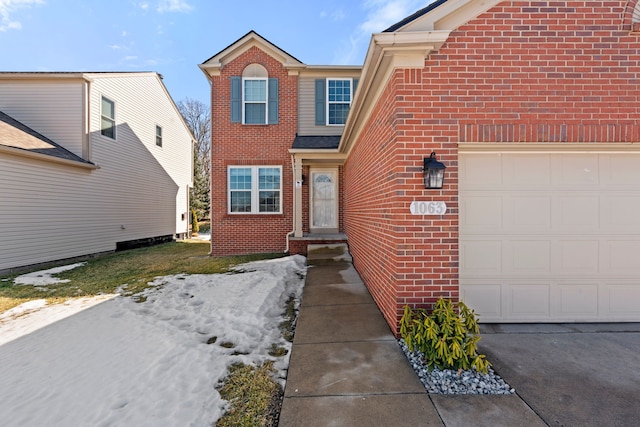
384 13
174 6
143 5
380 15
335 16
7 7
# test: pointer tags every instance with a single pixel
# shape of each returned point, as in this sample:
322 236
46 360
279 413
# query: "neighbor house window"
158 136
108 114
254 97
255 189
338 100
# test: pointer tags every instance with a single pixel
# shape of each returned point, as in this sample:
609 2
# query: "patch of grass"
254 395
134 268
288 326
277 351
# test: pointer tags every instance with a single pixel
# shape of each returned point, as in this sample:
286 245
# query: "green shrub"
447 338
195 228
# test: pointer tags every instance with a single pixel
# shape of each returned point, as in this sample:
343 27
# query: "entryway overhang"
308 157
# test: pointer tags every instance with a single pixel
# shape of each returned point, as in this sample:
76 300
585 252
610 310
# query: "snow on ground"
43 278
147 363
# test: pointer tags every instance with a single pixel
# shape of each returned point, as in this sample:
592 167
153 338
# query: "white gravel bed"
448 381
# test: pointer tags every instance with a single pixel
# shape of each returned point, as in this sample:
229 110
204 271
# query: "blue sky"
173 36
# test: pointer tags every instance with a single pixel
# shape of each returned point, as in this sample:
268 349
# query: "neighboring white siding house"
66 189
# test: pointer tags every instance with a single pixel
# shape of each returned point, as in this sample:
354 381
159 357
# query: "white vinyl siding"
550 236
306 111
50 108
51 211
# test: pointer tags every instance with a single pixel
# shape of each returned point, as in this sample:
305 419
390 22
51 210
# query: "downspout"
289 234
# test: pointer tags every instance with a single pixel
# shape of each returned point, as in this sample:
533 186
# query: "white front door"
324 201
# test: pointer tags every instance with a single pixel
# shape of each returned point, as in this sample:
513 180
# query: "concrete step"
328 252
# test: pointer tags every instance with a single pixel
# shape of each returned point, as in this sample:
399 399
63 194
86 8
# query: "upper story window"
338 100
108 118
158 136
333 97
254 97
254 101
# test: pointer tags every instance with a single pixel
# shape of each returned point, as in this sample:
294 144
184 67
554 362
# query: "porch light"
433 172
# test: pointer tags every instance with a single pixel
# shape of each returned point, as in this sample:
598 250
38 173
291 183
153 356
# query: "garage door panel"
528 302
620 170
622 300
578 300
527 257
622 257
554 236
576 171
576 213
485 299
533 170
576 257
481 257
527 214
481 212
481 171
621 213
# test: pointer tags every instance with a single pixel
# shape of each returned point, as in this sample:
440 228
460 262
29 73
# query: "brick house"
532 106
276 126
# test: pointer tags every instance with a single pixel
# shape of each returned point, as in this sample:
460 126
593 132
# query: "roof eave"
47 158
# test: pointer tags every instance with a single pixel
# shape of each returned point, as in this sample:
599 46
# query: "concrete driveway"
570 374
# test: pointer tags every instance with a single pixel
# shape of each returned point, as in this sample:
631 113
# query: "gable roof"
18 137
215 63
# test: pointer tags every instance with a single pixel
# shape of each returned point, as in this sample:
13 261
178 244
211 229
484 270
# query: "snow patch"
45 277
152 362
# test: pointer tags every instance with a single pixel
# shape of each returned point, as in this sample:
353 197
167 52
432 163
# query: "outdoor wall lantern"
433 172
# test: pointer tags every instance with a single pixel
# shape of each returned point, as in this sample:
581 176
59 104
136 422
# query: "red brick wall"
539 71
238 144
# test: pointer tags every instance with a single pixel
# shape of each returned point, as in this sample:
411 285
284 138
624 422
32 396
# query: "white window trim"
102 116
266 100
326 96
255 191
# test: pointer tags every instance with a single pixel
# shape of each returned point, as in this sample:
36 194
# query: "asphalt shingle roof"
313 142
17 135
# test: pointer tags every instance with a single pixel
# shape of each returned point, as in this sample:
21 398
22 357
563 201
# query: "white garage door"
550 236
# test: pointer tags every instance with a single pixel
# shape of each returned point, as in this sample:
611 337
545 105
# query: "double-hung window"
254 97
108 118
254 100
339 96
255 189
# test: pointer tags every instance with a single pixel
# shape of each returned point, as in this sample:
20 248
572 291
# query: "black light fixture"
433 172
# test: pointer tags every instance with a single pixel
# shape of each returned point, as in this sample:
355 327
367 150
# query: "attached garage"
550 233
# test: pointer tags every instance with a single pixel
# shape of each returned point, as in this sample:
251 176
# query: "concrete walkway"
347 369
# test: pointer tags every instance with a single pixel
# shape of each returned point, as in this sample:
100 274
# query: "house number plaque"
428 208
